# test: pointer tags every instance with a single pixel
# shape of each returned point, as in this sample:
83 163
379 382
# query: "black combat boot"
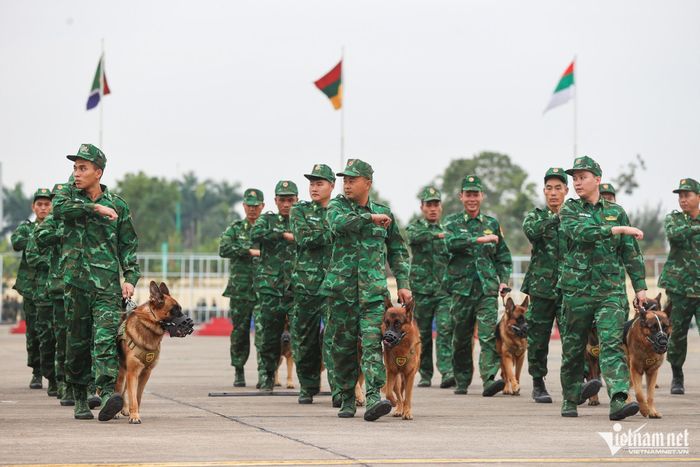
35 383
239 379
539 391
677 381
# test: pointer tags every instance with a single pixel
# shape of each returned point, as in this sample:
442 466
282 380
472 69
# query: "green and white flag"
565 89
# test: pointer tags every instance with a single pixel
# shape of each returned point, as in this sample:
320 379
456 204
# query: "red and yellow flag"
331 85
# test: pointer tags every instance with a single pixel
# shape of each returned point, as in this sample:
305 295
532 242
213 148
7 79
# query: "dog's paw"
407 415
134 421
360 402
397 414
124 412
653 413
290 386
278 385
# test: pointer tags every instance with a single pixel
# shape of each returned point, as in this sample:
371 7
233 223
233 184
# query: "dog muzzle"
286 337
520 327
392 338
180 326
659 342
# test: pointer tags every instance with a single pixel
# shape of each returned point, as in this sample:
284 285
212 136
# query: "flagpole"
575 109
101 103
342 109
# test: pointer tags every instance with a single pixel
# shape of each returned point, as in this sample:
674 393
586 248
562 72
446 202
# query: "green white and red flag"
565 89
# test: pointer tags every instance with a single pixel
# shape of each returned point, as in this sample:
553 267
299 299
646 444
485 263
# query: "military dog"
286 353
645 343
139 338
402 348
511 344
591 358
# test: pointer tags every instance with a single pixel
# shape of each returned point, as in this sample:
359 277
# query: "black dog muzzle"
180 326
520 327
659 340
392 338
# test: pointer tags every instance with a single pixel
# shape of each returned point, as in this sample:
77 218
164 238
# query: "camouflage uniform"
314 245
236 244
681 277
23 285
94 249
473 276
274 274
357 286
429 258
593 283
541 227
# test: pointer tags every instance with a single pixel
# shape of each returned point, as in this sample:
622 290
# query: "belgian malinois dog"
285 353
402 347
511 344
139 338
592 359
645 344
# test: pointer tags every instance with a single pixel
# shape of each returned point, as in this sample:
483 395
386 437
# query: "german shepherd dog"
139 346
285 353
511 344
645 344
591 357
402 348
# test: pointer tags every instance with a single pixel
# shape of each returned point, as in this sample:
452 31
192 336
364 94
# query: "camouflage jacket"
49 234
595 261
357 272
314 244
235 244
25 274
488 263
681 273
541 228
429 257
38 259
94 246
277 255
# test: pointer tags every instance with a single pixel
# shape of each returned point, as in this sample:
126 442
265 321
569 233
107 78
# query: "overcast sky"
226 88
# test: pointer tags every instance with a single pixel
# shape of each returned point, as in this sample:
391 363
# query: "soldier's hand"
127 290
642 296
288 236
627 230
254 252
405 295
441 235
635 232
491 238
501 290
107 212
381 220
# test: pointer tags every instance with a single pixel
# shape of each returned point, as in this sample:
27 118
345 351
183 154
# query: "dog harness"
147 357
401 360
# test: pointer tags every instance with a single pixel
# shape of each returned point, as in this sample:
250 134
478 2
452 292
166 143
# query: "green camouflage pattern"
361 250
607 188
596 260
688 184
277 255
314 246
684 309
92 153
471 183
586 163
428 308
540 317
541 227
25 274
305 327
94 246
321 171
272 316
47 339
32 335
328 346
580 311
681 273
38 259
241 313
253 197
429 257
49 234
235 244
60 332
286 188
487 264
357 168
556 172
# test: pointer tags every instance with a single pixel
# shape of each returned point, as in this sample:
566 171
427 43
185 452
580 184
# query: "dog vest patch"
401 361
595 351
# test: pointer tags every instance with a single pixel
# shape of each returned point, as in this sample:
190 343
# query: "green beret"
586 163
321 171
471 183
90 153
286 188
556 172
357 168
253 197
688 184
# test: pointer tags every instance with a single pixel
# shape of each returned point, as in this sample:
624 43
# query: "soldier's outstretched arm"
397 255
67 208
582 227
305 234
535 225
678 229
47 232
32 252
418 233
458 241
128 244
632 258
231 246
20 236
262 231
504 260
342 220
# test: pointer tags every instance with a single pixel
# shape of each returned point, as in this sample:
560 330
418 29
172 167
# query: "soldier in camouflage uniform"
681 275
607 191
41 206
237 245
541 228
314 242
479 269
593 284
99 237
429 258
38 259
277 255
365 236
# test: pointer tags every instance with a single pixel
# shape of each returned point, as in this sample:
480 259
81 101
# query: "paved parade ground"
182 425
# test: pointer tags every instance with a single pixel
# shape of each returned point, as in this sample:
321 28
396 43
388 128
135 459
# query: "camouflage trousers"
579 313
327 351
540 317
348 324
47 339
93 322
468 311
32 336
429 307
684 309
59 326
272 316
241 313
307 312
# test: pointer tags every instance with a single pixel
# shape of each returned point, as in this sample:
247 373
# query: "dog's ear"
635 304
526 302
164 289
510 305
658 299
156 294
410 306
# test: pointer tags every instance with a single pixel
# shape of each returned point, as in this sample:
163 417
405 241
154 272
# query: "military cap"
57 188
321 171
556 172
430 193
42 193
607 188
688 184
286 188
586 163
91 153
471 183
253 197
357 168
